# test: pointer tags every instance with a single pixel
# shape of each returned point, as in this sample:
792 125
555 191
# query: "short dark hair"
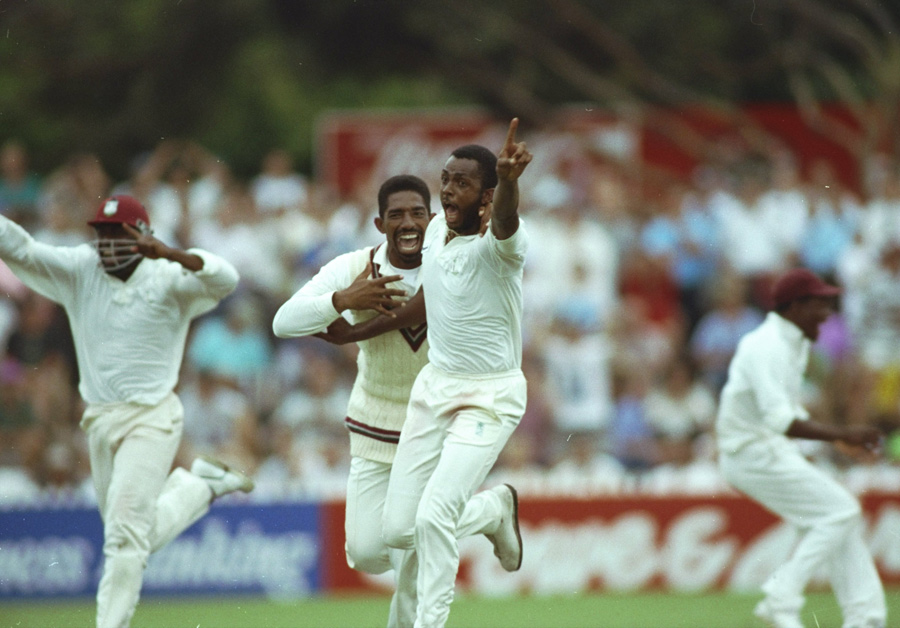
487 163
402 183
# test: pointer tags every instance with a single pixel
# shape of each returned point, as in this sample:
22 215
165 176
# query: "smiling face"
462 196
406 217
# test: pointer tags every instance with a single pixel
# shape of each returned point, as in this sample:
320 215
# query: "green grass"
583 611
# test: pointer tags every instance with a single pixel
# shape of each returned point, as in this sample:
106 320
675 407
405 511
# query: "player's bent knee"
368 557
398 534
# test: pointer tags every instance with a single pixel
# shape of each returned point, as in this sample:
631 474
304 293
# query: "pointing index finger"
511 134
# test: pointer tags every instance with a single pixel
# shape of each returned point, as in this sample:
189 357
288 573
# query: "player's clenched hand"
368 294
513 157
338 333
147 245
861 438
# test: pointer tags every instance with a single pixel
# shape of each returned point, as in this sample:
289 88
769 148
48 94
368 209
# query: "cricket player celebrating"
470 397
365 283
130 300
760 411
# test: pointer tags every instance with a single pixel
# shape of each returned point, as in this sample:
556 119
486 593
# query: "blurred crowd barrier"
645 267
572 546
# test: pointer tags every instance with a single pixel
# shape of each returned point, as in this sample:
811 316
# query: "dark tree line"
241 76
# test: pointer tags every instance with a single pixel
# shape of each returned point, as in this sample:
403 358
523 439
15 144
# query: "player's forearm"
190 261
410 314
813 430
505 209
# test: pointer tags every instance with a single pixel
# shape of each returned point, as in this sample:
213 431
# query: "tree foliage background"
242 76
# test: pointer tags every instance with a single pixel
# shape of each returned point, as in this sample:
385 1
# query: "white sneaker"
776 618
506 540
221 478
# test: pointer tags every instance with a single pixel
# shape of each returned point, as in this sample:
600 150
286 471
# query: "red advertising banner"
357 150
632 544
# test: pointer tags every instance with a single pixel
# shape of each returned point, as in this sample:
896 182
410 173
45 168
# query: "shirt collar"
380 257
788 330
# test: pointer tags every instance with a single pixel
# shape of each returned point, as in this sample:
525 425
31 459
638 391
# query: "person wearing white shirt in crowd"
363 283
130 299
759 413
469 398
278 189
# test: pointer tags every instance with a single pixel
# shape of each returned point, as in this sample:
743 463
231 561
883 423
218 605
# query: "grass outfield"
600 611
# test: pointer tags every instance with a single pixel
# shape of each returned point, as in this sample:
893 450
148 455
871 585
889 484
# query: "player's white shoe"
507 540
221 478
776 618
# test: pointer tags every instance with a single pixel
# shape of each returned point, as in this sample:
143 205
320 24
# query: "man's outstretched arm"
511 162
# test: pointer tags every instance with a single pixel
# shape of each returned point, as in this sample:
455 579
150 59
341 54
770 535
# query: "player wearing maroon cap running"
759 413
130 299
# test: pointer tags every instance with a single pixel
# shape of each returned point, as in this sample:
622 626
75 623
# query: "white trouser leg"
185 498
787 484
138 467
366 549
856 583
454 432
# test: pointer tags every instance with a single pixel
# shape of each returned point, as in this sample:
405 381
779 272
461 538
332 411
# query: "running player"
469 398
759 414
130 300
364 283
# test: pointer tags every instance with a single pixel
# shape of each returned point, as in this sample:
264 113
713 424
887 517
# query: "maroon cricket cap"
798 283
121 209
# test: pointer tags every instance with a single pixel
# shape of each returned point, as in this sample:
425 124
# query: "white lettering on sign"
693 561
695 551
51 565
246 558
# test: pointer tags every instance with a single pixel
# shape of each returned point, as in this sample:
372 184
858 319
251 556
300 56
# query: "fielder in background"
130 300
365 283
760 412
469 398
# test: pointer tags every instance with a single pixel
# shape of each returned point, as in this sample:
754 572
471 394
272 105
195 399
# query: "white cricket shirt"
473 298
311 310
764 390
387 365
129 336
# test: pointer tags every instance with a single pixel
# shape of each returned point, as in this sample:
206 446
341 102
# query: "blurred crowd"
634 304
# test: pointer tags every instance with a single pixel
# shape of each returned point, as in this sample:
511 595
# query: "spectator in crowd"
881 218
577 359
235 223
834 221
753 244
278 188
19 187
630 436
223 422
684 235
716 336
879 333
680 410
234 345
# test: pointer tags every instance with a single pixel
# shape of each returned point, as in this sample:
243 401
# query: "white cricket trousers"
455 428
366 549
829 519
143 506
